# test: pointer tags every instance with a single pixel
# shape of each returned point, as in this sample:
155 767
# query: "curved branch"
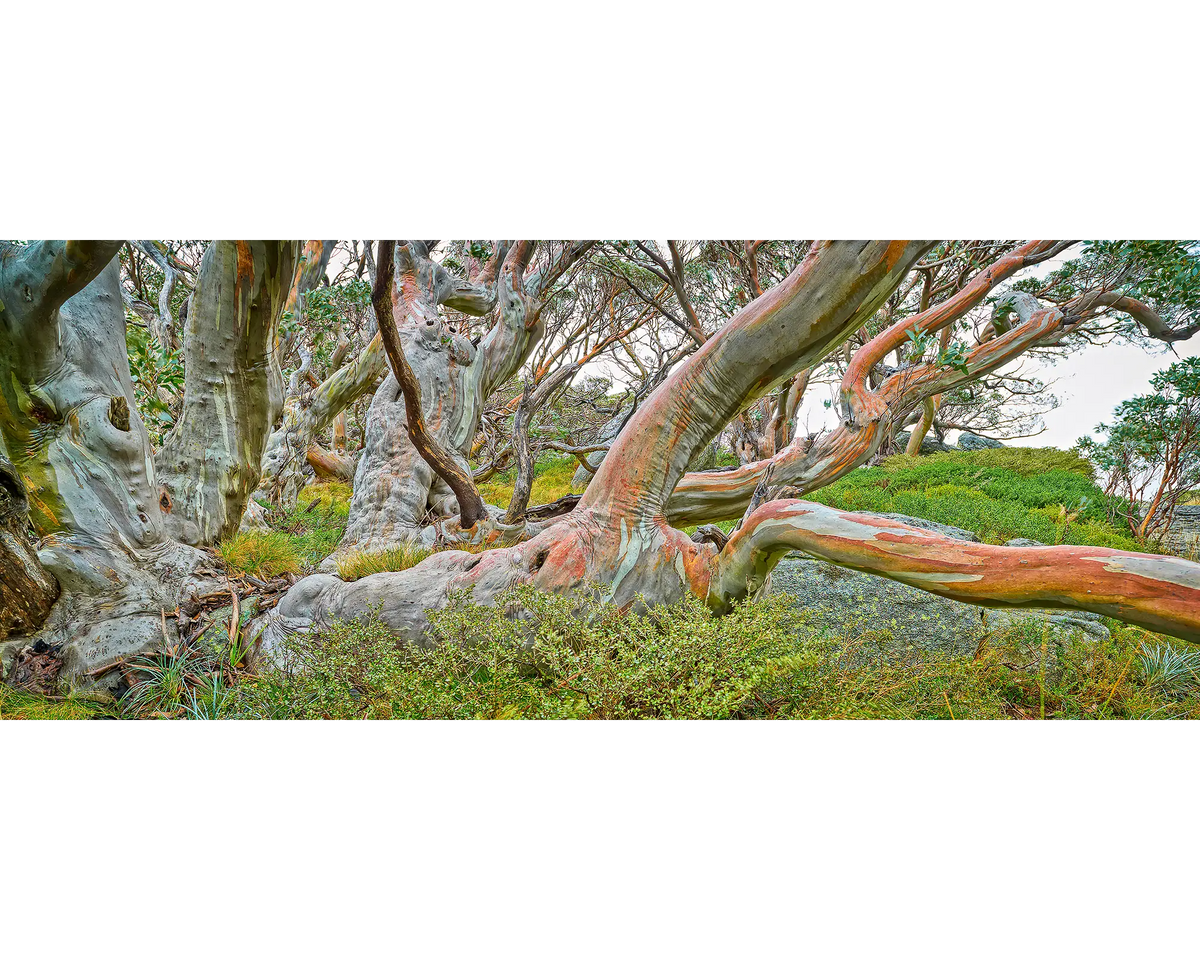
50 272
470 504
836 289
857 398
1155 592
165 333
1143 313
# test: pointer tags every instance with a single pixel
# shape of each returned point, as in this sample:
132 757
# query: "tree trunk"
27 591
306 418
617 537
74 436
929 408
212 459
531 401
396 494
328 465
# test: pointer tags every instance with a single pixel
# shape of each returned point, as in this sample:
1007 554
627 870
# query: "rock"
955 533
213 641
971 441
901 622
928 445
1023 542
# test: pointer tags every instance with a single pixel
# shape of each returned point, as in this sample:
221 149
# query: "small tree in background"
1150 454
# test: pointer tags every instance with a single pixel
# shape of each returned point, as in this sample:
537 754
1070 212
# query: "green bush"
533 656
1001 494
542 657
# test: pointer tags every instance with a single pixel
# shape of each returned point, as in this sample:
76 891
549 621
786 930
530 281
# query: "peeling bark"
212 459
617 537
73 433
455 475
328 465
27 591
396 494
1155 592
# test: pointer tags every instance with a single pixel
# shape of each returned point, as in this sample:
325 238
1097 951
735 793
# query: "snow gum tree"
624 535
73 434
212 460
397 494
110 530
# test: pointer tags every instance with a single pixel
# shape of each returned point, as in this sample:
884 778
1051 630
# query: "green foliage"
1001 494
534 656
1163 272
551 480
1151 450
184 682
1165 666
329 311
157 381
19 705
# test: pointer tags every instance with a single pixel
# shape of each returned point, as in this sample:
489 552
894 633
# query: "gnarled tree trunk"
27 591
306 417
212 459
74 435
619 536
397 495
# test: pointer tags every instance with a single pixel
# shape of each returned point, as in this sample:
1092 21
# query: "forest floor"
766 660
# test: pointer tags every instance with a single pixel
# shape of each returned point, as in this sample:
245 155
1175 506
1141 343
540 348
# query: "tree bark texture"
212 459
73 434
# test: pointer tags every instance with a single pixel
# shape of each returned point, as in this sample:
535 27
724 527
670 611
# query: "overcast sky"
1088 383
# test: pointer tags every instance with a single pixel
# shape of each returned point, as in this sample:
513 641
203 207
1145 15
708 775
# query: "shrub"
998 494
534 656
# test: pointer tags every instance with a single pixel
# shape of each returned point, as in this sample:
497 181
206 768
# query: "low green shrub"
533 656
1000 494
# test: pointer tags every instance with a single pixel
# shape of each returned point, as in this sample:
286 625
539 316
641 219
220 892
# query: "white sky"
1088 383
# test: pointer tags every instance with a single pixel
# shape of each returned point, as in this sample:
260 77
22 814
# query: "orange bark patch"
245 273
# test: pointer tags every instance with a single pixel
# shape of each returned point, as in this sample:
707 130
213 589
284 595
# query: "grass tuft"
19 705
262 555
363 563
551 480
